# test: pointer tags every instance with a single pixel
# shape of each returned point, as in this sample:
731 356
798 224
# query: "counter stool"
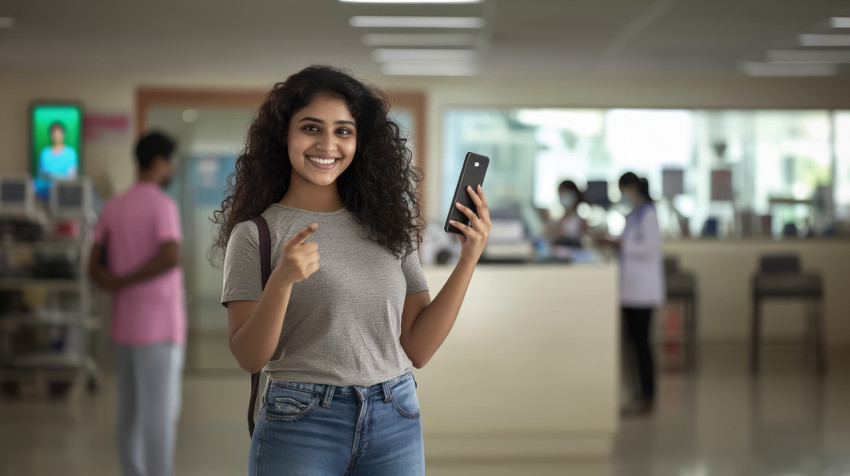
682 287
781 277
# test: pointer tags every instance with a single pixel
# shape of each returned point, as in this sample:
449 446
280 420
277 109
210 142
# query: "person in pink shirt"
135 256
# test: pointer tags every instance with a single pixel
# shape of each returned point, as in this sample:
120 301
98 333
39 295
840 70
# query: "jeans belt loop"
387 394
329 395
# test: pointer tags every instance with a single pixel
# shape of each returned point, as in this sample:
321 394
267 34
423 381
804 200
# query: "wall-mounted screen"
55 143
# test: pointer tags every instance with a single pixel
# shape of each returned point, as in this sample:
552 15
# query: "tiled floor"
717 422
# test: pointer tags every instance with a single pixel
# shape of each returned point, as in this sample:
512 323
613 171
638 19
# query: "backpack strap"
265 272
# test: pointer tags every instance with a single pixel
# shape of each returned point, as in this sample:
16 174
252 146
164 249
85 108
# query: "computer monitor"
71 198
672 182
16 195
596 193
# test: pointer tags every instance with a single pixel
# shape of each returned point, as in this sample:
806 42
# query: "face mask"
627 202
568 200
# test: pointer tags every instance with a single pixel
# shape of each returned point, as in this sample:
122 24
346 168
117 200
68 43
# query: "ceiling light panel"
788 69
840 22
809 56
824 40
412 1
424 39
416 22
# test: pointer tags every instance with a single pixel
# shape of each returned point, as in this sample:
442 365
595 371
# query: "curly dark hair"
379 187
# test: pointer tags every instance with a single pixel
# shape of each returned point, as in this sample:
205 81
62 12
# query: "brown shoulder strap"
265 272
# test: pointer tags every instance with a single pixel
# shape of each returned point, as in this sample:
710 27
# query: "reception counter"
530 368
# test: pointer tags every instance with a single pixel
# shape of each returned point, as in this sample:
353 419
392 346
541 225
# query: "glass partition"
728 172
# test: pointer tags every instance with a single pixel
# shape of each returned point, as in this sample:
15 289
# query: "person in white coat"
642 286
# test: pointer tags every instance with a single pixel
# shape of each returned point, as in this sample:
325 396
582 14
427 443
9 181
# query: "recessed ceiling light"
841 22
7 22
752 68
416 22
396 55
417 39
808 56
190 115
411 1
824 40
428 69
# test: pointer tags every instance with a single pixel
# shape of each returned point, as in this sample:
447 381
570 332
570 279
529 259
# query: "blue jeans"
322 430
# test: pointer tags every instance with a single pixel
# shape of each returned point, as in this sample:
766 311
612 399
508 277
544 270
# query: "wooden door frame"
416 102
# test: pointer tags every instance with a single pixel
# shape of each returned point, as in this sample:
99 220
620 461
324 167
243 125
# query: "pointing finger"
302 235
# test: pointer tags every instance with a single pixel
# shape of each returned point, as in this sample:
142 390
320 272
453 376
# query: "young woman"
642 285
570 229
346 313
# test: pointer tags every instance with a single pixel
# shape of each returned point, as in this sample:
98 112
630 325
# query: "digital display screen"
597 193
55 143
672 182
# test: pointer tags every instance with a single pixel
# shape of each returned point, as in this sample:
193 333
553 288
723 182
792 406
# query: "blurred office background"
737 112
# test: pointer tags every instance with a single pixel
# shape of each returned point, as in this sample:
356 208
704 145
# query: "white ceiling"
521 36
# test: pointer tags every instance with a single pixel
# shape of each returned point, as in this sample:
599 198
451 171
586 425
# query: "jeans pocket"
285 404
404 398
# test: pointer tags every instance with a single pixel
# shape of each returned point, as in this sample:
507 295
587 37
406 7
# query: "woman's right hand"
298 258
475 235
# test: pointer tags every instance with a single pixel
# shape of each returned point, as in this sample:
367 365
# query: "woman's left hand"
476 234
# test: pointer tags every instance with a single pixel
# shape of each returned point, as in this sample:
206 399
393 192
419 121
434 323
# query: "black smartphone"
471 174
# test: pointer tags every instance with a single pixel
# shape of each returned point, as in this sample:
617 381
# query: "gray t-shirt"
343 323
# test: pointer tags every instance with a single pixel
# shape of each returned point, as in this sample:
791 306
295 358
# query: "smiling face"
321 141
